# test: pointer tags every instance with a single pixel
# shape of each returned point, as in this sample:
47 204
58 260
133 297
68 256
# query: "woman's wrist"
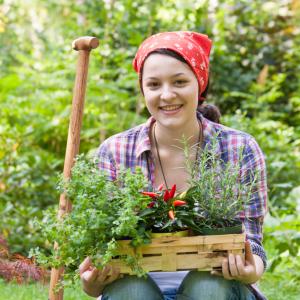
95 291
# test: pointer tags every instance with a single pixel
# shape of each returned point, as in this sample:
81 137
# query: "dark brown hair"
209 111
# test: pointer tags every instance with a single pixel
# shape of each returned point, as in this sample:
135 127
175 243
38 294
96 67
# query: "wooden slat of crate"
184 253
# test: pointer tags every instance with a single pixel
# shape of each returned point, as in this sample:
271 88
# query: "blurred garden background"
255 81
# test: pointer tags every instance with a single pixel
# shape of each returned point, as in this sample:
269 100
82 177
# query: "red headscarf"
192 46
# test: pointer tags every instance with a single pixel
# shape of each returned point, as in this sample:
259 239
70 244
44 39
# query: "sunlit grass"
13 291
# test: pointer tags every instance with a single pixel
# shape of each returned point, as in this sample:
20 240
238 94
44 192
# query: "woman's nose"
167 93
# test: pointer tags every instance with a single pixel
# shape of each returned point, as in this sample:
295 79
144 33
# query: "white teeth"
170 107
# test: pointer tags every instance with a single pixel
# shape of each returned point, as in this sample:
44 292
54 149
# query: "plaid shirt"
132 148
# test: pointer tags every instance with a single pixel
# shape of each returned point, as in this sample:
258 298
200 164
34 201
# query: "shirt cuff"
259 250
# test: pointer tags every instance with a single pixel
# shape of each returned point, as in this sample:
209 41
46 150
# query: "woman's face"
170 90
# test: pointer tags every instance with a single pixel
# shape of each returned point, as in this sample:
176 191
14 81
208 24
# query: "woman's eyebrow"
155 78
178 74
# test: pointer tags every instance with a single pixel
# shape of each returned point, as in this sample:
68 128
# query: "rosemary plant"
219 190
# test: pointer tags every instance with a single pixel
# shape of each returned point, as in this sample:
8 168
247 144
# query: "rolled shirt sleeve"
254 168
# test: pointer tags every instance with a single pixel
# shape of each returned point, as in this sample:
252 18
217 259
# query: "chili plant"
166 212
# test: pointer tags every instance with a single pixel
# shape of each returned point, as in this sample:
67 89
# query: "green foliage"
255 79
219 190
102 213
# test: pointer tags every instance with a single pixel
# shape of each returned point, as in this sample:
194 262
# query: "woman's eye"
153 84
180 82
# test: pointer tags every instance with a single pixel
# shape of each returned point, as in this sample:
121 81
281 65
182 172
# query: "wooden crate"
184 253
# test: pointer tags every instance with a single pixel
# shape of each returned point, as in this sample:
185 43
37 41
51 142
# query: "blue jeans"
195 286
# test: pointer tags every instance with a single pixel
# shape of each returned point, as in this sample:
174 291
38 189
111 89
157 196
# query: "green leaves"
38 69
102 212
220 190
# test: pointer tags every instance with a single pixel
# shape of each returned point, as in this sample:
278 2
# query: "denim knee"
202 285
133 288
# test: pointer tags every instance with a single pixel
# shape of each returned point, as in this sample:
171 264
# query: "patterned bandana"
192 46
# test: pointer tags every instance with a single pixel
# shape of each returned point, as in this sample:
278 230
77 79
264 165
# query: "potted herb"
219 192
103 212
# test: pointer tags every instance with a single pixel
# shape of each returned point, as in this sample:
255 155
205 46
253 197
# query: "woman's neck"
169 137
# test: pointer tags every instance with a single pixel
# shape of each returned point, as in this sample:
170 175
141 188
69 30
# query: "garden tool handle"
83 45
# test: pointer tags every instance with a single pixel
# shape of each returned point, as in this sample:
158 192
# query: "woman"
173 70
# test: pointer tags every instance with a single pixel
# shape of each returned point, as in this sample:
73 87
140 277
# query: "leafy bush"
102 212
254 79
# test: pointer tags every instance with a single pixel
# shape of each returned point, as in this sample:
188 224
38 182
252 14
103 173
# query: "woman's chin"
174 124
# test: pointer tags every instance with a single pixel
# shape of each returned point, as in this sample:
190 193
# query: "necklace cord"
200 140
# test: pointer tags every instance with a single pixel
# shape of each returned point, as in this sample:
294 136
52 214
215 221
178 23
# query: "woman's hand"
233 267
94 280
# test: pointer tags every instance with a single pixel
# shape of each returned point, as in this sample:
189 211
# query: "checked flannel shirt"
132 148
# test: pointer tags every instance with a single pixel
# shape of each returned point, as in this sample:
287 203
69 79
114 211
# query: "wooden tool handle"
84 45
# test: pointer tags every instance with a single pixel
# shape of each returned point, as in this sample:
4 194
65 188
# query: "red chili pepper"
172 192
151 204
179 203
160 187
171 214
166 196
150 194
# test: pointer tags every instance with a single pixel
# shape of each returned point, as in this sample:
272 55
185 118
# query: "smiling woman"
173 70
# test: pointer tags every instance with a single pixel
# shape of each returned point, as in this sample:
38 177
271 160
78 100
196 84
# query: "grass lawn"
14 291
276 286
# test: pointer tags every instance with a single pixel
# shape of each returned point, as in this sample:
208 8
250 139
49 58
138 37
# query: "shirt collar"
143 140
208 128
211 131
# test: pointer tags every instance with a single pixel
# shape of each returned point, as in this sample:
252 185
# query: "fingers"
90 275
85 265
240 266
225 269
232 266
114 276
249 258
108 275
104 274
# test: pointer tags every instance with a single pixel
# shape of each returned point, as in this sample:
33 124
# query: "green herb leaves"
102 212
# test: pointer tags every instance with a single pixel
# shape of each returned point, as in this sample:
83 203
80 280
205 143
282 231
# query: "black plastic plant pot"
224 230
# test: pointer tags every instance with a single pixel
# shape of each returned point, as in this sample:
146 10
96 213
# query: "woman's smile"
171 109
